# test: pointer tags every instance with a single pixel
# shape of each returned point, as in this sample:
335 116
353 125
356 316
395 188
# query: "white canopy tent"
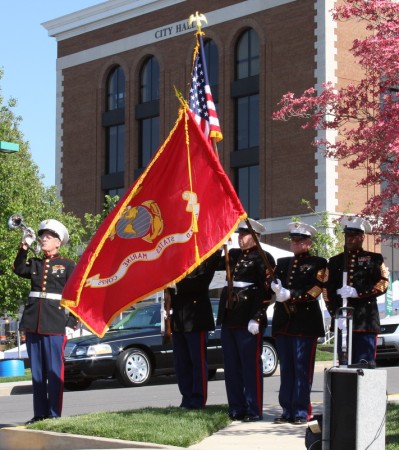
15 353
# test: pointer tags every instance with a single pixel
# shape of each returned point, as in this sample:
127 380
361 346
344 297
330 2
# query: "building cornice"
214 17
102 15
116 11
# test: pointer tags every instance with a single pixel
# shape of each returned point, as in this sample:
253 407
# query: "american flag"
201 101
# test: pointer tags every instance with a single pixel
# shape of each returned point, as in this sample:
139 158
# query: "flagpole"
225 249
197 19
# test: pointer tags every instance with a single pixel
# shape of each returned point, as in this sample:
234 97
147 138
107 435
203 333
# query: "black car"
132 351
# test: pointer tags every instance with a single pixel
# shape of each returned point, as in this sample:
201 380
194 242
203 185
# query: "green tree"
329 237
22 191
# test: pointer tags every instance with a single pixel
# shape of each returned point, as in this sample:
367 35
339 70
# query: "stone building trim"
326 70
58 129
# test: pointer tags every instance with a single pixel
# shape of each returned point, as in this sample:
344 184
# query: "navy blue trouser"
364 347
46 356
297 359
243 370
190 359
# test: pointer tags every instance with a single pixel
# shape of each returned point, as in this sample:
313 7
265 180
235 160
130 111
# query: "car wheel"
80 385
134 367
211 374
269 359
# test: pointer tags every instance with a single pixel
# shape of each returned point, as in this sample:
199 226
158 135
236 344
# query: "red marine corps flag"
180 211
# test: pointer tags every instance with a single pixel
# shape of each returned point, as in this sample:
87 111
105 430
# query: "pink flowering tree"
366 113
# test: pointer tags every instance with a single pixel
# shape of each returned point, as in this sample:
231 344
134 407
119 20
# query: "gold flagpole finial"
198 18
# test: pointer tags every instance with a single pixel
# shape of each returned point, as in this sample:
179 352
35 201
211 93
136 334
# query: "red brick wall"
287 64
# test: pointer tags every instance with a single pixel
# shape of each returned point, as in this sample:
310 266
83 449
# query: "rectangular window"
149 139
249 190
115 149
247 122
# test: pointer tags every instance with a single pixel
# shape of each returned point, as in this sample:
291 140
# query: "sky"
28 58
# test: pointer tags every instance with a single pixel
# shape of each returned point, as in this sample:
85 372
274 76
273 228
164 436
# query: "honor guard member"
243 319
44 320
297 322
192 318
367 278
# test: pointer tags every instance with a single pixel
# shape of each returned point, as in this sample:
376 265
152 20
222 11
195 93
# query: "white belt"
239 284
45 295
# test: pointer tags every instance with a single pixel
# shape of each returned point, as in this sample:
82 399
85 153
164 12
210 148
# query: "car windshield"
139 318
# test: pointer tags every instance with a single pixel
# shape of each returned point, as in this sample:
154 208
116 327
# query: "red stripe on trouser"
61 394
203 364
259 374
311 372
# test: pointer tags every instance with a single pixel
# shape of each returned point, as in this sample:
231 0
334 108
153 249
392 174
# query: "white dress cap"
257 226
55 227
300 229
355 224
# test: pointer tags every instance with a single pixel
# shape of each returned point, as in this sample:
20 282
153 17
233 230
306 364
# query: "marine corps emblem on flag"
143 221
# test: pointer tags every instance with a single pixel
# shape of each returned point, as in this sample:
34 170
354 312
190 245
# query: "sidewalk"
258 435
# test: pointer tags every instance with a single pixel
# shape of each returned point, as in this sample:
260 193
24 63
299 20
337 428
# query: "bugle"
16 221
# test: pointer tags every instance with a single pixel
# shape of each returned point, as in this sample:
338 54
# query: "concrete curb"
22 439
25 387
17 388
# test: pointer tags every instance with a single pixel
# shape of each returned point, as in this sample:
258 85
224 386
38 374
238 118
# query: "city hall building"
119 63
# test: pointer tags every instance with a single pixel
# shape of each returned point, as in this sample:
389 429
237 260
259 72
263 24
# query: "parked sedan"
388 340
132 351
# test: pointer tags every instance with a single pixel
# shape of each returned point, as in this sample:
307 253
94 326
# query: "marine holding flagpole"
243 319
44 321
191 320
190 310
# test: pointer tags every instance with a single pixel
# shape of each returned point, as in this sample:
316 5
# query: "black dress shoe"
282 419
250 418
35 419
300 421
236 416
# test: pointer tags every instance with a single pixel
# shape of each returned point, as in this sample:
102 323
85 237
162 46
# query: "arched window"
113 121
149 80
116 89
147 111
247 55
245 91
212 62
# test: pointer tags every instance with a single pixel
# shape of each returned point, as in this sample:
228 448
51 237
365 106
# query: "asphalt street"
16 408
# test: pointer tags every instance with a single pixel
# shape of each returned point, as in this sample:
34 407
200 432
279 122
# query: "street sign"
8 147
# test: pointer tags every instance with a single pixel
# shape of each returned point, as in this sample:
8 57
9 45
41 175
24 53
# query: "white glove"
283 295
341 323
166 315
253 327
276 287
69 332
28 237
347 292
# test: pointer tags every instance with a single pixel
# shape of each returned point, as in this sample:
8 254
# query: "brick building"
117 66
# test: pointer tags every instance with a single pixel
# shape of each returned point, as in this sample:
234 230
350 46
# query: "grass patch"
168 426
26 377
392 430
324 352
